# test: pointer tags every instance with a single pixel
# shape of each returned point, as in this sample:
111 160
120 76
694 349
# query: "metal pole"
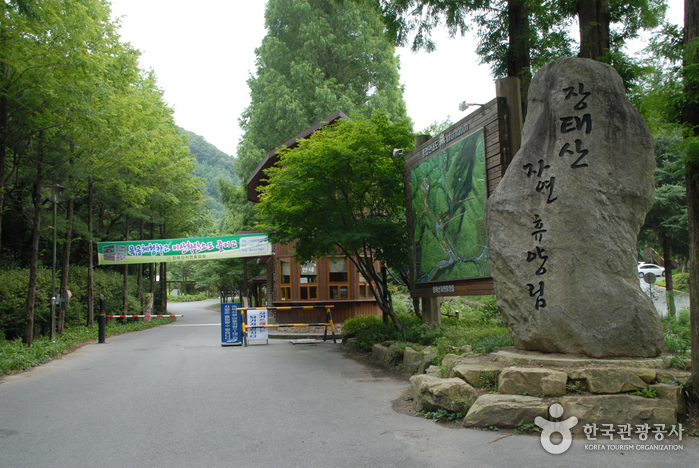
102 319
53 272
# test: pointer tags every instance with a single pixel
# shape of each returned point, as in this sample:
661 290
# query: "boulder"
448 359
477 375
607 380
505 410
379 352
617 410
673 394
433 393
394 356
673 376
532 381
469 360
563 221
645 374
411 360
426 362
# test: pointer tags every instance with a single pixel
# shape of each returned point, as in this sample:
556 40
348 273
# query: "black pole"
102 319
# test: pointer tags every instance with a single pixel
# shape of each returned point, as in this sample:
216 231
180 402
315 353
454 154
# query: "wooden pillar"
431 310
509 88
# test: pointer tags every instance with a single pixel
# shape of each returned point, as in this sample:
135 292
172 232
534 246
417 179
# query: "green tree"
317 57
519 36
667 218
342 190
690 118
212 165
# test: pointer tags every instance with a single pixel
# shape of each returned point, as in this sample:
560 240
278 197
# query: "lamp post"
465 105
55 190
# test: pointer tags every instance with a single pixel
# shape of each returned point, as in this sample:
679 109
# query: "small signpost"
231 325
257 318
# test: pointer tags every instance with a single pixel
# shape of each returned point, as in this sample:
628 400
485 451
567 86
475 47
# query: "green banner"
178 250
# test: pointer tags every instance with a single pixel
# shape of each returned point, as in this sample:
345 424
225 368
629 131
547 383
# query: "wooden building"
325 281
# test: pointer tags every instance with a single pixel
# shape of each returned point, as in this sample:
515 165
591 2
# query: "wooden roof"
258 176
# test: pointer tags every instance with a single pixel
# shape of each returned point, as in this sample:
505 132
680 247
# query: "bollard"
102 319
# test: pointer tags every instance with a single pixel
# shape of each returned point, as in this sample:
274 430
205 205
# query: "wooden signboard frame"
501 123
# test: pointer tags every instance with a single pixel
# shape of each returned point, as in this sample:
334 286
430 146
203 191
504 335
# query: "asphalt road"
173 397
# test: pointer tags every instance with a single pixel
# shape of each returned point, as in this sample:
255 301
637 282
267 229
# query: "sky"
203 54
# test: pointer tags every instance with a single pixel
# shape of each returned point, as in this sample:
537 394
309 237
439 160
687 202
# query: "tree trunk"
90 255
126 272
669 291
28 338
4 119
593 16
163 277
518 55
691 117
139 290
152 265
65 266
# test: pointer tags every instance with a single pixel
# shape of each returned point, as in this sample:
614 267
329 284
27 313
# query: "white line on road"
196 325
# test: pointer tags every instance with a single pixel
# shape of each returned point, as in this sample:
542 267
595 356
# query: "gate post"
102 320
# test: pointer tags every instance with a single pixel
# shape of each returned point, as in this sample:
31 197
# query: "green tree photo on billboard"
448 205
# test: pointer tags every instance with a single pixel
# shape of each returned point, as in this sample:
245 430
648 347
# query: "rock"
469 360
505 410
673 376
351 343
394 356
433 370
432 393
426 362
411 360
617 410
608 380
419 383
645 374
532 381
563 221
379 352
448 359
673 394
477 375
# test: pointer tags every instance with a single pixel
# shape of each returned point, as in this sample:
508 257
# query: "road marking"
195 325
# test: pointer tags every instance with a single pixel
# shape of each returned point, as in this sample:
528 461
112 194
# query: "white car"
644 268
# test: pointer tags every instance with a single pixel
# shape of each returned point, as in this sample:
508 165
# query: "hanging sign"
178 250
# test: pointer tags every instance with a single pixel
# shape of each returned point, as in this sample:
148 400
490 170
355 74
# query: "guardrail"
328 321
102 319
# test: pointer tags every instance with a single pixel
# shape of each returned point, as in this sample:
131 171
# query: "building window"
338 278
308 279
285 279
364 289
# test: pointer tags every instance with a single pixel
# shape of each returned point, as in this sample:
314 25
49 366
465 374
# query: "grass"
442 415
478 325
680 282
678 339
189 297
16 357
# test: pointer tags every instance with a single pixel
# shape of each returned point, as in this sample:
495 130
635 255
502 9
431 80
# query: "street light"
55 190
465 105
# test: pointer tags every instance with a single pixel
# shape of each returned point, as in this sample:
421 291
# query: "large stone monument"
564 220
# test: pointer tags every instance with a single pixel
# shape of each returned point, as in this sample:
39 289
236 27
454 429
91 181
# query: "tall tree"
317 57
519 36
690 118
667 218
342 190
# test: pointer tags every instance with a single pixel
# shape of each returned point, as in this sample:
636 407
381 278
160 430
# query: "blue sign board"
231 325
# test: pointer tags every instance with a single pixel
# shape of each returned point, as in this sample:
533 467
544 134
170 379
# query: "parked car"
644 268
